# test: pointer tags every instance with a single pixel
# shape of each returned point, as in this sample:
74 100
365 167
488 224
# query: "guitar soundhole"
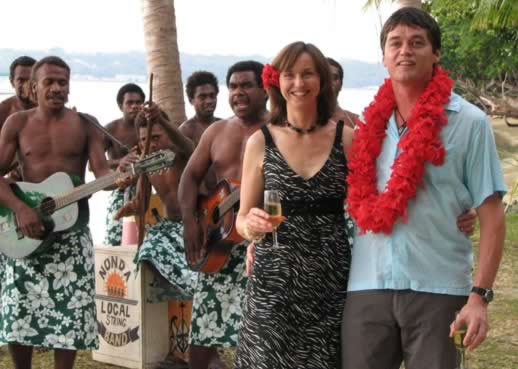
48 206
215 215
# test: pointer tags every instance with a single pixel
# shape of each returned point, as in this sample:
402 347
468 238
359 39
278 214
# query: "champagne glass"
272 205
458 340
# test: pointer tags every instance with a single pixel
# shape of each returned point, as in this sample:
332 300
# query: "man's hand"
127 210
29 222
126 162
195 247
466 222
474 316
124 166
151 111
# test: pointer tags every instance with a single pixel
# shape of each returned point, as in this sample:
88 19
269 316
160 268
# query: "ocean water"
98 98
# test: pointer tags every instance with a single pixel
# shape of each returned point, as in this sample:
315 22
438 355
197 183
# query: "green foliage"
478 55
496 14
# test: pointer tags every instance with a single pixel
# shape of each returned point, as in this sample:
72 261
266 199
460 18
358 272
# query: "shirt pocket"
450 172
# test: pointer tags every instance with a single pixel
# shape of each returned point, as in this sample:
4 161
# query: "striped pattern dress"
294 300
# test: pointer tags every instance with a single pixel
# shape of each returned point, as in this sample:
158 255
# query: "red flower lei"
377 212
270 76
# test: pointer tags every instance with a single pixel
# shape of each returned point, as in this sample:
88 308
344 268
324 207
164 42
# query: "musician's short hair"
247 66
337 65
52 60
129 87
200 78
22 61
142 122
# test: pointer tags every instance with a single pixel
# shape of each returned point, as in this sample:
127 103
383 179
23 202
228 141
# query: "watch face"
489 295
485 293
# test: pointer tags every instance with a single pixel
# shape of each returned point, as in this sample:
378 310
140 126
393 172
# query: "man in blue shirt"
412 267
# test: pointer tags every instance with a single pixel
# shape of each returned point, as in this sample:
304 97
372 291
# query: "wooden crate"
132 333
179 328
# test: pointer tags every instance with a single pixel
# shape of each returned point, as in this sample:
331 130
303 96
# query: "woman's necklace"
302 131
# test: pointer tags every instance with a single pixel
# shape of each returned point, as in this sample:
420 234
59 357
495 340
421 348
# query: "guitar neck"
87 189
229 201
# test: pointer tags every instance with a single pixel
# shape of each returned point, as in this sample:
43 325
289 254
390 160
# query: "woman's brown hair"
286 58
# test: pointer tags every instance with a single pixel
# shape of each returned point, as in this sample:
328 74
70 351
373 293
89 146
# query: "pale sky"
239 27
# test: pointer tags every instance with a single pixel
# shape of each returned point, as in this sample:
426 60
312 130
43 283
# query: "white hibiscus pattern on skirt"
63 273
21 329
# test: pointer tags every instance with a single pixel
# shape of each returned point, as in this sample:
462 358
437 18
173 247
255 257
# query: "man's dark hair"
129 87
247 66
141 121
52 60
23 61
334 63
200 78
412 17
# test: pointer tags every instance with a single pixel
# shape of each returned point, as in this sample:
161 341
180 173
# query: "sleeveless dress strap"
267 136
339 131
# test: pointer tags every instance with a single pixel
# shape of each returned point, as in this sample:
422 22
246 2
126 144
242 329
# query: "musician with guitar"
217 300
48 298
130 98
163 247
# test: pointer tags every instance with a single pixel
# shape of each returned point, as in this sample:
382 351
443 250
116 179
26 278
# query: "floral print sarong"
113 233
216 308
47 300
164 249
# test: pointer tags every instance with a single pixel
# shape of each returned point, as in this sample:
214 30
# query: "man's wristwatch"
485 293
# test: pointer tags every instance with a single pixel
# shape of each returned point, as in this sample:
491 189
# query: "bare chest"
227 154
126 135
63 140
196 133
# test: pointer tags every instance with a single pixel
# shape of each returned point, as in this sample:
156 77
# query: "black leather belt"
324 206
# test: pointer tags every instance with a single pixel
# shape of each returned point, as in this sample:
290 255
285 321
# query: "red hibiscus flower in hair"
270 76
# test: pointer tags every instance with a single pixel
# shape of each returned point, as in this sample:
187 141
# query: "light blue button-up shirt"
429 253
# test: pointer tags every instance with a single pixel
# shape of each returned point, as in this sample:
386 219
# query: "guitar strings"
54 204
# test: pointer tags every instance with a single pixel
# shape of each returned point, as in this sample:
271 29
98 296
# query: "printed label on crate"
116 310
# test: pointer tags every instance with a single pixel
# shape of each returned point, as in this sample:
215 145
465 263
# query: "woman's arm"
252 222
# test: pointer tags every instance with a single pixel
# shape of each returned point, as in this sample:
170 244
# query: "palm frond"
496 14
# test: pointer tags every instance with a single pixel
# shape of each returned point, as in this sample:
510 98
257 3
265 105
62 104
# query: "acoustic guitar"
217 215
55 201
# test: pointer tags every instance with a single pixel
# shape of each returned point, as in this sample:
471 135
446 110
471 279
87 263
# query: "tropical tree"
482 61
488 13
163 57
496 14
163 63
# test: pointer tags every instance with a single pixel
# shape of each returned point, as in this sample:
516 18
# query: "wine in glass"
458 340
272 205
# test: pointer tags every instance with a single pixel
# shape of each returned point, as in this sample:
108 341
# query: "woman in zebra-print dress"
296 292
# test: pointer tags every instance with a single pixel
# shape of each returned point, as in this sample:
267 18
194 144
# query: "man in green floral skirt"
47 299
130 98
217 300
162 248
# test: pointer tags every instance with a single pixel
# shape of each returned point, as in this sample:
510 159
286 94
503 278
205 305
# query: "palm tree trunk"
163 57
